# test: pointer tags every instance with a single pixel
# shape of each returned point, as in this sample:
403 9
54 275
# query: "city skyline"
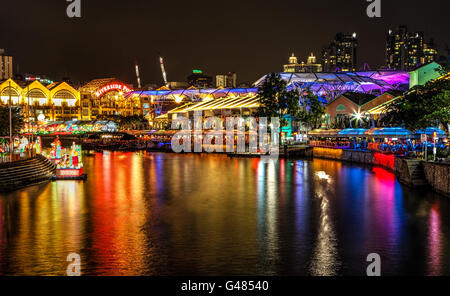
247 53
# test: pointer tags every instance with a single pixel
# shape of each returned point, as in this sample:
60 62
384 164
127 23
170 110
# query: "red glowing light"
384 160
111 87
69 172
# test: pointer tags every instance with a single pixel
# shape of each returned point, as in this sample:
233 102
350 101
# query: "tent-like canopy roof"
194 92
430 130
332 85
352 132
221 103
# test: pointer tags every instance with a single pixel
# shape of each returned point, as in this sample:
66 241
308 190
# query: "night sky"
251 38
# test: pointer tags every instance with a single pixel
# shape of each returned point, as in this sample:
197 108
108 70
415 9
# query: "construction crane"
137 74
161 62
160 102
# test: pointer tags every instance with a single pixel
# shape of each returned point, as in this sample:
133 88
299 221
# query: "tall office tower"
6 65
405 51
226 81
199 80
341 54
430 53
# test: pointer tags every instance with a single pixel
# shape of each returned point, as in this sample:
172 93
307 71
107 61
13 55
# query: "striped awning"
221 103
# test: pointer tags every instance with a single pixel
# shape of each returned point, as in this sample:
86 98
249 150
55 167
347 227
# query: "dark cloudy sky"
249 37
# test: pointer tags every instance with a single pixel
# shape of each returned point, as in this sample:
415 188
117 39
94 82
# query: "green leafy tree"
275 100
422 107
311 111
17 120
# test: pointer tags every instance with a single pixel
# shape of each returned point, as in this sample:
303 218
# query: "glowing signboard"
69 172
113 86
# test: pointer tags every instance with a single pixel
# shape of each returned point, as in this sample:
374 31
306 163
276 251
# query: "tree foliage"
421 107
311 111
275 100
17 120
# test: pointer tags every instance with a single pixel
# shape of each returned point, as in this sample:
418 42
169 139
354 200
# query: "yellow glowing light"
71 102
322 175
178 98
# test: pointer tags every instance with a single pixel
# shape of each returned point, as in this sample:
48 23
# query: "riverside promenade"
22 173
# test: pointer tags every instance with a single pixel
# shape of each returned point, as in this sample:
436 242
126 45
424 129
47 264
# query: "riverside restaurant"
389 140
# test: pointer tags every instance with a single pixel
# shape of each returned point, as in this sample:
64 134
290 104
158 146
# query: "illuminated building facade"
199 80
105 97
293 66
350 104
226 81
405 51
341 54
59 101
430 54
310 67
56 101
6 65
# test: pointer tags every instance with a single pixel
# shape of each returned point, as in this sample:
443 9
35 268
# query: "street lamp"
10 123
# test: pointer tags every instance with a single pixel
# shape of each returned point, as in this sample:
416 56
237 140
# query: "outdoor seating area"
389 140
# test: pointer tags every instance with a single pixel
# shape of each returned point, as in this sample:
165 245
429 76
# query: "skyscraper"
341 54
405 51
226 81
430 53
6 65
199 80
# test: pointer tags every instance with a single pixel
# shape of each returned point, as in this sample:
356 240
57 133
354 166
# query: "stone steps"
19 174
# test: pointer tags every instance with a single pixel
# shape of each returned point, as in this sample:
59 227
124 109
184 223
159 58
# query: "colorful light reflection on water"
163 214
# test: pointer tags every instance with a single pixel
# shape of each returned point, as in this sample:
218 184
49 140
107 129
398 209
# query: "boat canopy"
389 132
352 132
429 131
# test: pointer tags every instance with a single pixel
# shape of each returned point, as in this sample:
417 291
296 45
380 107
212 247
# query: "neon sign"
111 87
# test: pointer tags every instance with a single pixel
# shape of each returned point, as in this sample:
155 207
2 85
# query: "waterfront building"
6 65
341 54
310 67
346 105
60 101
407 50
199 80
227 80
359 105
108 96
56 101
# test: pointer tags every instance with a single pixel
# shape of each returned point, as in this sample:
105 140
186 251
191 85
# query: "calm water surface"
169 214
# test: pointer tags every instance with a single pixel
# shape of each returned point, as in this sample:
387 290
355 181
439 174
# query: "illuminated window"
340 108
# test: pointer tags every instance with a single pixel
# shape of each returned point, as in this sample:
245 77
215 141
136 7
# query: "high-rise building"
6 65
430 54
294 67
407 50
199 80
226 81
341 54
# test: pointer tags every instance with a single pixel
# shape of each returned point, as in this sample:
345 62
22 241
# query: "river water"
193 214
